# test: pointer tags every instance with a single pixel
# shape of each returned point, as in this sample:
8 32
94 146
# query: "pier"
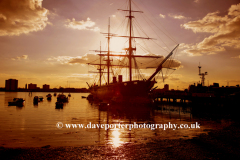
172 96
208 98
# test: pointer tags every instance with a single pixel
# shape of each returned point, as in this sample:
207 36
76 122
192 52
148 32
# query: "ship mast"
108 53
109 35
130 37
100 69
130 41
130 48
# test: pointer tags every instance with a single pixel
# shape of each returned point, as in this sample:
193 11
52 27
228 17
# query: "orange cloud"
225 31
195 50
21 57
82 25
142 63
162 16
177 16
236 57
22 17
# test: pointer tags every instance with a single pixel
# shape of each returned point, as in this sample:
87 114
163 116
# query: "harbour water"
35 125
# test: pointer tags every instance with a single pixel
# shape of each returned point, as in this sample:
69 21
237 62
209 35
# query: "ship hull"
134 91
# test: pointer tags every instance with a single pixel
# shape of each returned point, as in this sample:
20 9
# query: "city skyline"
50 41
12 84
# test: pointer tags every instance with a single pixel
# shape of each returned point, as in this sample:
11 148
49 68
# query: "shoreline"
217 144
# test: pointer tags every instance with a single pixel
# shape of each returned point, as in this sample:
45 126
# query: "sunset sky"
50 41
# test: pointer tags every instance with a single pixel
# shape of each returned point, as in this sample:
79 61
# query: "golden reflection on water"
37 124
116 141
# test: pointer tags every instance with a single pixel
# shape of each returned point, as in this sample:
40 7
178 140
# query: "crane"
202 75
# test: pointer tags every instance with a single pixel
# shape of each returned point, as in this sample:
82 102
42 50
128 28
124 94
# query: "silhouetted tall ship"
135 91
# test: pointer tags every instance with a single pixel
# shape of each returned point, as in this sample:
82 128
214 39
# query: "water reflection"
116 141
37 124
143 115
8 97
19 107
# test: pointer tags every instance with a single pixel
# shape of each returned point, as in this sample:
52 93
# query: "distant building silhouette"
166 87
32 86
46 86
11 85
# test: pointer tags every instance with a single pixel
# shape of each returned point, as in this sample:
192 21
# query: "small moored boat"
62 98
59 105
90 97
49 96
36 99
40 98
16 102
